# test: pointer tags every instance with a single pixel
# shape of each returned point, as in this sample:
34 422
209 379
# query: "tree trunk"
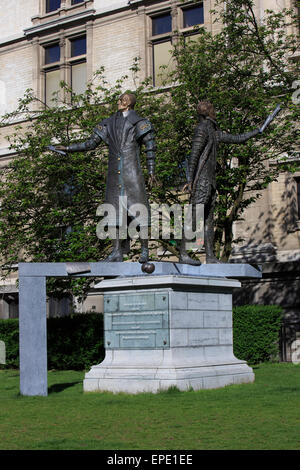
228 235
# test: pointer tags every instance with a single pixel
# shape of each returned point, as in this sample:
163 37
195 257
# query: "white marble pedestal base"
164 331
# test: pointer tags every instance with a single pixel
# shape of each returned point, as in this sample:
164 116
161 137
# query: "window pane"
52 54
52 5
78 46
74 2
51 85
161 56
79 78
161 24
193 16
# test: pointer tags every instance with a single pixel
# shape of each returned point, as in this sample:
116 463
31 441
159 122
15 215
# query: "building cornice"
59 22
12 40
69 19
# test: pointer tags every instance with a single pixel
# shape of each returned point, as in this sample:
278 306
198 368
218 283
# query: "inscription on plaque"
136 321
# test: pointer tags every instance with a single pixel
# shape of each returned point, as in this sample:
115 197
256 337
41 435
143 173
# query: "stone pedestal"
167 330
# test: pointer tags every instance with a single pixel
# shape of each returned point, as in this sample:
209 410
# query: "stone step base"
138 380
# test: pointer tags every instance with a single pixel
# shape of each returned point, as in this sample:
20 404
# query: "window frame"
47 47
155 39
159 15
160 41
64 64
74 39
177 29
64 5
191 7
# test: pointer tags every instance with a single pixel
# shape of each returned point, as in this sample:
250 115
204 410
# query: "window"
78 78
78 46
52 54
52 75
52 79
193 16
161 57
78 68
52 5
161 24
161 48
68 66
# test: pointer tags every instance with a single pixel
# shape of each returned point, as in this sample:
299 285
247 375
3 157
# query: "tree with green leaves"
49 202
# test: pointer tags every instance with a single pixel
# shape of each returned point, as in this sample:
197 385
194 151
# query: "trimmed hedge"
256 332
9 333
76 342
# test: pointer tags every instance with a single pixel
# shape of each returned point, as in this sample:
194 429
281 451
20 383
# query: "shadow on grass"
56 388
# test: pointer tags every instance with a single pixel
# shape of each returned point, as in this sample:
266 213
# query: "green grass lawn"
262 415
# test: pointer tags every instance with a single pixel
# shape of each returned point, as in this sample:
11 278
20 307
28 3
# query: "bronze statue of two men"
124 133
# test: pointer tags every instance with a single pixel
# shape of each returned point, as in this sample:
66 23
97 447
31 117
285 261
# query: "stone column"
33 336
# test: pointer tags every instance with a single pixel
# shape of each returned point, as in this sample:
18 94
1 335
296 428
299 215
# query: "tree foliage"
49 202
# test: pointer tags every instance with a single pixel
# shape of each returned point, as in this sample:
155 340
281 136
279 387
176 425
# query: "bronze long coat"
203 157
124 137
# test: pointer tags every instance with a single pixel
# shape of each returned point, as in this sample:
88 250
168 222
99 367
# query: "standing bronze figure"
124 133
201 173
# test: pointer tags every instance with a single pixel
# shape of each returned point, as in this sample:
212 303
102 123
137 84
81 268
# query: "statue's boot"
209 243
144 257
117 252
212 260
184 258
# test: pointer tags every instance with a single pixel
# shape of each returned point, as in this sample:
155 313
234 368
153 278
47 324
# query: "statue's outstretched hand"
187 188
61 149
